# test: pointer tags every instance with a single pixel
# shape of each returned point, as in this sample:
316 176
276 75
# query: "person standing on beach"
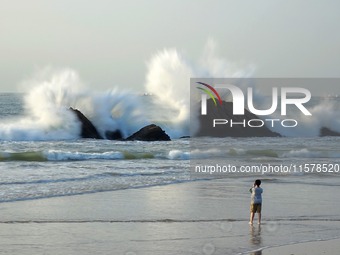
256 201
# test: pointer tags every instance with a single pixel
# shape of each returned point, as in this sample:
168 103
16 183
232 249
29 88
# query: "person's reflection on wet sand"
255 238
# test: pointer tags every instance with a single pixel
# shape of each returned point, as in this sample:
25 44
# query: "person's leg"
259 218
252 214
259 210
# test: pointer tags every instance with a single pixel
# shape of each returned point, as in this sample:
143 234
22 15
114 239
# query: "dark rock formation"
88 130
147 133
225 111
328 132
114 135
150 133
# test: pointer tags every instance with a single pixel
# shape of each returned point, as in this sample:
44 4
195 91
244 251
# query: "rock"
114 135
328 132
225 111
88 130
149 133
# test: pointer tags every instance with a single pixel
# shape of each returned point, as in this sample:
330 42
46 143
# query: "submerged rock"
225 112
328 132
88 130
150 133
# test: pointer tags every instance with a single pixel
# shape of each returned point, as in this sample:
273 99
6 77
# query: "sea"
34 165
43 156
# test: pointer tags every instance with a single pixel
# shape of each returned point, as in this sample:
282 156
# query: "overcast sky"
109 42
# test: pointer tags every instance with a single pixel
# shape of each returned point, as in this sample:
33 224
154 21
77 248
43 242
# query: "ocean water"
31 169
36 165
42 155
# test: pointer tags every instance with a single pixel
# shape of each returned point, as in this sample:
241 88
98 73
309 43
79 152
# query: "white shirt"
256 195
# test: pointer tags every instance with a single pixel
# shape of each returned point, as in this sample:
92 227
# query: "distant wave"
305 153
59 155
88 178
260 153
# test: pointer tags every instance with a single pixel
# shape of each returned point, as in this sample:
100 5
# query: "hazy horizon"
110 43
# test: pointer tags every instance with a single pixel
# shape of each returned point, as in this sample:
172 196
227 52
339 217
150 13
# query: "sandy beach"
203 217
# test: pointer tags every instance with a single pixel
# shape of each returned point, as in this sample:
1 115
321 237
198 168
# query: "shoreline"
201 217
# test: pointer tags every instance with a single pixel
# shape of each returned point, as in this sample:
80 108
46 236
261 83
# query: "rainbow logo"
210 92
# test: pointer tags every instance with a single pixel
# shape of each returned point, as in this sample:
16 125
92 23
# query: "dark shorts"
255 208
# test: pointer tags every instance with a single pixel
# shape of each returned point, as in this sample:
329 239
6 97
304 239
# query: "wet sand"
203 217
329 247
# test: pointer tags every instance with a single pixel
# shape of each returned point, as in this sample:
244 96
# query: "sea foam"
47 115
168 80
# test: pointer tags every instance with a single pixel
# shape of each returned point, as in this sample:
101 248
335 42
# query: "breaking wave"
47 116
50 94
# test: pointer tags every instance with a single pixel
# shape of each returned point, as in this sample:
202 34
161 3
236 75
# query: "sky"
109 43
